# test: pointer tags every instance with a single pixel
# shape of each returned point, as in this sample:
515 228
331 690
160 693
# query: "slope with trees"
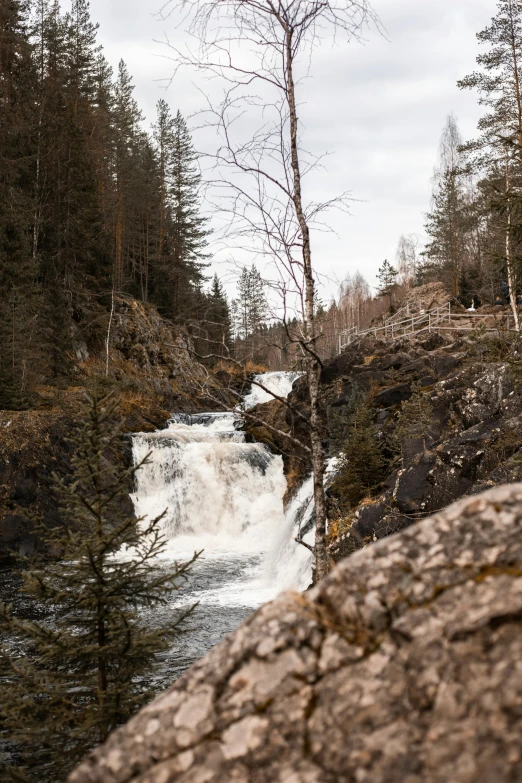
90 203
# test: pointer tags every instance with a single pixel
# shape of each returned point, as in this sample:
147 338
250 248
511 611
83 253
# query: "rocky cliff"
471 399
152 372
471 439
403 666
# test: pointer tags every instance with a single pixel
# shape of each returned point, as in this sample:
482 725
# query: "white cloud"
379 108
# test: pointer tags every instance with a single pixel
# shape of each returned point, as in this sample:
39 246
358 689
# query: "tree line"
90 202
474 225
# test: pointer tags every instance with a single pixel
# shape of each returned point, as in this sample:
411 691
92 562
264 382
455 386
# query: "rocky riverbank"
466 388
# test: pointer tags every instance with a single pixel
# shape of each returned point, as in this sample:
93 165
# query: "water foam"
279 383
225 496
219 492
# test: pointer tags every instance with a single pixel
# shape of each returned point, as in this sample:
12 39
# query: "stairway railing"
440 319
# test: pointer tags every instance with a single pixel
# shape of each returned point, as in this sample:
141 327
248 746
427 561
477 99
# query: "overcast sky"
378 108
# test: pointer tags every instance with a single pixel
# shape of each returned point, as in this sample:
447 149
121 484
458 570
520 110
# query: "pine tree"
498 150
126 118
219 325
362 463
387 277
103 135
414 419
448 222
89 202
72 680
20 334
499 84
188 233
250 307
258 306
163 134
144 232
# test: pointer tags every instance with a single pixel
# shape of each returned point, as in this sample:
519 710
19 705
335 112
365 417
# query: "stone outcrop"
474 440
403 666
149 353
474 425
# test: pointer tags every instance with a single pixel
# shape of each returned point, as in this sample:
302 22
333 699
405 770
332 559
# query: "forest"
91 204
94 205
104 219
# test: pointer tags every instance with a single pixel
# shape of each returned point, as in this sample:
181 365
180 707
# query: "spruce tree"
188 233
362 462
387 277
126 119
258 305
163 134
415 417
448 222
89 202
219 325
69 681
20 334
496 155
250 307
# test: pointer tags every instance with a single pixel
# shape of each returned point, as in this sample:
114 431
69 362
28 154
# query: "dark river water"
212 583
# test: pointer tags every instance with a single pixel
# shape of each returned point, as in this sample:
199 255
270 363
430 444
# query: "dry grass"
239 370
338 527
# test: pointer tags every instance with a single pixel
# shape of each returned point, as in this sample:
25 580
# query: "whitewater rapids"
223 496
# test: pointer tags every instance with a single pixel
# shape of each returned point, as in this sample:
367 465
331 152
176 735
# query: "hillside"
438 414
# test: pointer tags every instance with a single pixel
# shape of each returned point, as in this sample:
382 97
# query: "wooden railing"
440 319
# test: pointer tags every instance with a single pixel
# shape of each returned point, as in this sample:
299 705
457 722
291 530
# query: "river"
223 496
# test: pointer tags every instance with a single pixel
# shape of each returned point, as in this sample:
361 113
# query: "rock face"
474 428
403 666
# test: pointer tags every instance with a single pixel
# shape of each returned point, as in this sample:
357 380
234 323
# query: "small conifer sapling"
70 680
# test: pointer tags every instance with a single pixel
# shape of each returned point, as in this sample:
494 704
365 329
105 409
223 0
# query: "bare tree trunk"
108 340
267 201
509 260
312 363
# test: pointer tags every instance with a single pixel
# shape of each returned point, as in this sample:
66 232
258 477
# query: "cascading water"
280 383
224 496
219 492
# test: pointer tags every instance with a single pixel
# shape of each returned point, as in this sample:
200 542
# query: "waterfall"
279 383
218 491
225 496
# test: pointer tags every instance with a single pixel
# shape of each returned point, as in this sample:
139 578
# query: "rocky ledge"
405 664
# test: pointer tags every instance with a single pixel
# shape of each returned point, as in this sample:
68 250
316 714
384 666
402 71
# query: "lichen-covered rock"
403 666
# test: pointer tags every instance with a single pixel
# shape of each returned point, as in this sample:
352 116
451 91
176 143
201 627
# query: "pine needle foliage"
362 463
70 680
415 417
387 276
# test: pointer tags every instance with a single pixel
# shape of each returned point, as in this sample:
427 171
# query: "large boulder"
403 666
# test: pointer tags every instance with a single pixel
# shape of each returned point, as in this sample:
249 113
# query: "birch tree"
499 145
261 51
